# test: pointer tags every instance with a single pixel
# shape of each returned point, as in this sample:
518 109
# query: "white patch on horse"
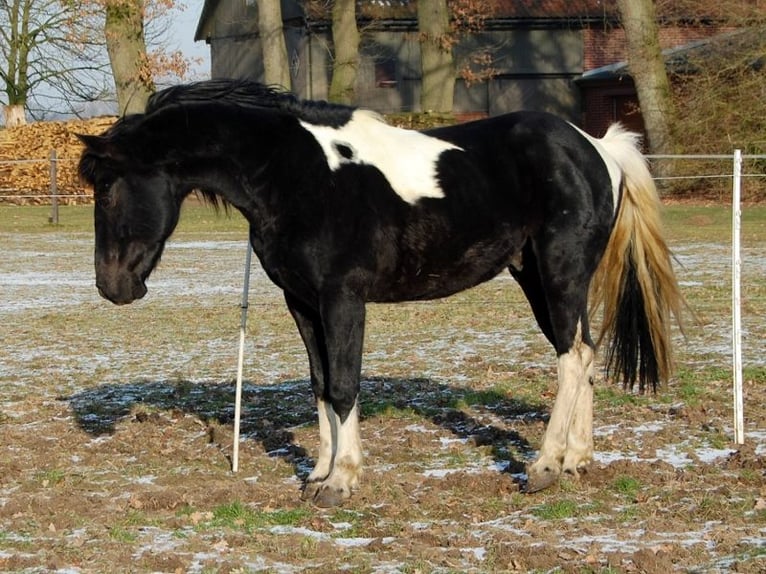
615 173
406 158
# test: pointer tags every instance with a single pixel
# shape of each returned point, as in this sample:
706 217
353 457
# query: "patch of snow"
419 428
446 441
440 472
353 542
148 479
606 430
649 427
606 457
479 553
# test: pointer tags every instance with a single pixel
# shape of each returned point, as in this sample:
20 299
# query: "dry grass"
116 424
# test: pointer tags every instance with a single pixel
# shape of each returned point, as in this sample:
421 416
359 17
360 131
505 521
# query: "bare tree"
647 66
47 50
345 36
53 57
270 27
437 64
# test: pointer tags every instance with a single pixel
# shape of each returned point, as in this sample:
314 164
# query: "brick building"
562 56
606 88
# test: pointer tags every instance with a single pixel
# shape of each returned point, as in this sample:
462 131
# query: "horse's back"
527 162
508 180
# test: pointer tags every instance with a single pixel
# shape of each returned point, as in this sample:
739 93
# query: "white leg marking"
555 440
579 449
327 442
568 440
339 465
347 465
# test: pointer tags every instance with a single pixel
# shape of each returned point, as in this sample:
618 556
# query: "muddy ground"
116 428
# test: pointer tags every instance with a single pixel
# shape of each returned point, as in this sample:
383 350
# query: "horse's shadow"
270 413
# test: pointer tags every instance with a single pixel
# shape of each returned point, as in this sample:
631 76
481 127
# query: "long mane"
206 97
249 94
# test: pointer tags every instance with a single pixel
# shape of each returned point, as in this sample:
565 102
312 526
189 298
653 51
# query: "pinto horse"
345 209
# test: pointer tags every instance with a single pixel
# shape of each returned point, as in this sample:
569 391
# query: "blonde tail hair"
634 281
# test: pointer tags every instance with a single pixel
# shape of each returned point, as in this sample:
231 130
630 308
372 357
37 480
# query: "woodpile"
25 161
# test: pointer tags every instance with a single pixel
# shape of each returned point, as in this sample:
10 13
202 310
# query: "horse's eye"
103 200
104 196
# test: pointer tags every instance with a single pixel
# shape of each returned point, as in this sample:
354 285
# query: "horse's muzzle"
123 294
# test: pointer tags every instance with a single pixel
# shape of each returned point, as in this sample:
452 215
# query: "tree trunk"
436 61
126 45
345 37
14 115
276 67
647 67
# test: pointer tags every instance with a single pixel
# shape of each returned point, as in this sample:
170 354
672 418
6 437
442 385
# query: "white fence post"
736 276
241 359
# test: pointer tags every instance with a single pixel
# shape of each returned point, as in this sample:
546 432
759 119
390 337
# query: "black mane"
249 94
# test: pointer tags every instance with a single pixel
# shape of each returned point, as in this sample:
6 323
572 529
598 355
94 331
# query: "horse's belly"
445 268
423 284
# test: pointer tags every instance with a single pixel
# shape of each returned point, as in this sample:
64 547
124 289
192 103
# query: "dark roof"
523 10
208 8
551 8
681 59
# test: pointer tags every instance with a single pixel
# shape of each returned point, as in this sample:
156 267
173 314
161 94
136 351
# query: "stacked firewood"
25 161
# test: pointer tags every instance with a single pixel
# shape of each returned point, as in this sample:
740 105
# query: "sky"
182 37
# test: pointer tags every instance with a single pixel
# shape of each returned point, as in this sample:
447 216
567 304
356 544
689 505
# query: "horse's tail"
635 281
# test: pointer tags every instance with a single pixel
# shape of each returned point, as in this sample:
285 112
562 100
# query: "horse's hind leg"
568 443
558 296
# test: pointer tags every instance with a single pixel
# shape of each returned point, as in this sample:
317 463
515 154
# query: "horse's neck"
221 180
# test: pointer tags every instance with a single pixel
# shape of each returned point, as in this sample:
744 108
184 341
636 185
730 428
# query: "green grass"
712 223
615 396
386 408
122 535
51 477
557 510
485 397
627 486
239 516
196 217
683 222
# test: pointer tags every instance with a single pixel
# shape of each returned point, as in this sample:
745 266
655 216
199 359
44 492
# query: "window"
385 74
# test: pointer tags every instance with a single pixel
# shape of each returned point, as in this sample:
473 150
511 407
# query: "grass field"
116 423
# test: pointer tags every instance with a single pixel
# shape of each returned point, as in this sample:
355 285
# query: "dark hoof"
575 473
310 490
538 480
323 496
328 497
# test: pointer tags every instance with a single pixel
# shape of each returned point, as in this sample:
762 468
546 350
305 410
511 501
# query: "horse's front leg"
310 329
568 441
342 317
331 489
334 338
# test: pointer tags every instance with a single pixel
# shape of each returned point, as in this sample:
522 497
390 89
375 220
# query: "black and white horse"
345 209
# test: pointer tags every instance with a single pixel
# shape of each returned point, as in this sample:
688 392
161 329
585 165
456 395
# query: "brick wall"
604 46
615 100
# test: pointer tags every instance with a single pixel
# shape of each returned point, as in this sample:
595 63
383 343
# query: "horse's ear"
97 145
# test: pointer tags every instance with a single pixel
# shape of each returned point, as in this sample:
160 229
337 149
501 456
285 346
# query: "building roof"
681 59
529 11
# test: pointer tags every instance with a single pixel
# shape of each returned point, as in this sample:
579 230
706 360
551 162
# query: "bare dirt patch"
116 428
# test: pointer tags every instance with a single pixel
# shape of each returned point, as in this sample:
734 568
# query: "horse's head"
135 212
